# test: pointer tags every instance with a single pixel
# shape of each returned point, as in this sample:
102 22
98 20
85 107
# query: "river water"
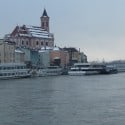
63 100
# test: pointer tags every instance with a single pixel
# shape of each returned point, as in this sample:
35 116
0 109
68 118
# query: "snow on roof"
41 51
18 51
35 31
46 48
21 34
38 32
56 48
57 57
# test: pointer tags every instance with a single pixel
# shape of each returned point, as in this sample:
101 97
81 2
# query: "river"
63 100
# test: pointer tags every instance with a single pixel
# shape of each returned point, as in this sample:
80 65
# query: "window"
41 43
26 42
22 42
46 43
47 24
37 43
43 24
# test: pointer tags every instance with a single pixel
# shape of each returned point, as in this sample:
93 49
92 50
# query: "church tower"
45 21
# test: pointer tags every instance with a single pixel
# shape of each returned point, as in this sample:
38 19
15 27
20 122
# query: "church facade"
33 37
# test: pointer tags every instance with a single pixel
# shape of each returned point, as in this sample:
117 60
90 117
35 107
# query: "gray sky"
97 27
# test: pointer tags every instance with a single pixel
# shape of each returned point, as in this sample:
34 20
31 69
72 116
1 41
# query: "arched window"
47 24
22 42
41 43
37 43
26 42
46 43
43 24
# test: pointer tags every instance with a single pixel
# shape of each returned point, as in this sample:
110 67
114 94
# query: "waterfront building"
75 56
19 56
33 37
82 58
35 46
31 57
7 52
44 57
59 57
53 57
1 40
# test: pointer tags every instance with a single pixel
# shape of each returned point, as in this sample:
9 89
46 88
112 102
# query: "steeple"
45 20
45 13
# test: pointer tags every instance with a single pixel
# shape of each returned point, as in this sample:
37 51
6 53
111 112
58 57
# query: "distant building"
7 51
75 56
82 57
1 40
33 37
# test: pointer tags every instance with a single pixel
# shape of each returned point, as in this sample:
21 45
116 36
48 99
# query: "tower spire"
45 13
45 20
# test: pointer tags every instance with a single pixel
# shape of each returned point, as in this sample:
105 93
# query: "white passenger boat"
90 69
50 71
13 70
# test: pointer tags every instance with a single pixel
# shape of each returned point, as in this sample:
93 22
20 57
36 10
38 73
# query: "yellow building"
7 52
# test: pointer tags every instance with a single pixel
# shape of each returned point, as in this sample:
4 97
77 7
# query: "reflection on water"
63 100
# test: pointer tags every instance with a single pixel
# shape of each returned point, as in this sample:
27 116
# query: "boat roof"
83 64
79 64
12 64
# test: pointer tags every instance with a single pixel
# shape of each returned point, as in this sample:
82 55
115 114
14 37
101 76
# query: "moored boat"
50 71
13 70
90 69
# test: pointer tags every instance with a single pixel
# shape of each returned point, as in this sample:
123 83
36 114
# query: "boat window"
82 66
18 67
8 68
12 67
9 74
4 68
24 67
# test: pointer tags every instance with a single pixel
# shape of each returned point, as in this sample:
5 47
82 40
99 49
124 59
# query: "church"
33 37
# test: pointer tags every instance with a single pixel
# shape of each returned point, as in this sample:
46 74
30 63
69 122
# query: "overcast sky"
97 27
